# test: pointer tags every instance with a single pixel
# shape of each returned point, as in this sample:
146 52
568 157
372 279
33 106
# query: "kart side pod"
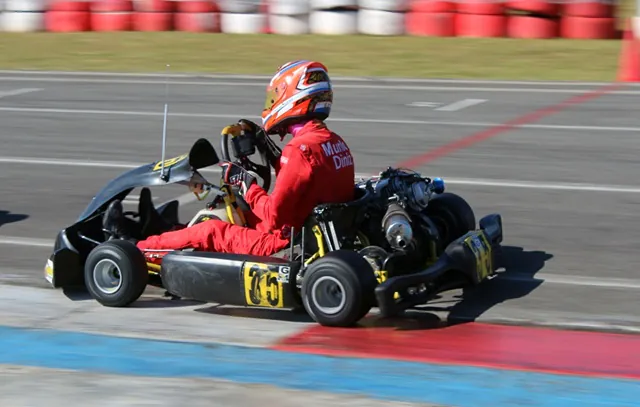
230 279
473 254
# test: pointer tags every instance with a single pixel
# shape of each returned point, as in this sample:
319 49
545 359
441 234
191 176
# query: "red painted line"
482 345
484 135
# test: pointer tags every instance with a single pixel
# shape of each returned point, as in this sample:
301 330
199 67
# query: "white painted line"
262 84
334 78
334 119
564 127
424 104
119 112
543 185
66 163
463 81
26 241
18 92
461 104
629 189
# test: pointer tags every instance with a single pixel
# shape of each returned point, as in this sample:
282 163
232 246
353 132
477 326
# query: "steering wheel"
263 170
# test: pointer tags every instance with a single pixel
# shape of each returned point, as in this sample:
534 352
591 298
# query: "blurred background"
408 38
423 83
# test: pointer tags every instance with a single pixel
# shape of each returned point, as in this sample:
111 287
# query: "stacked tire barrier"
22 15
289 17
242 17
539 19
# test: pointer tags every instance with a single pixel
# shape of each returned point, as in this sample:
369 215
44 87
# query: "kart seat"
344 218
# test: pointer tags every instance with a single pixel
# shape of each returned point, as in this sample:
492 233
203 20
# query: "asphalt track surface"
562 174
104 390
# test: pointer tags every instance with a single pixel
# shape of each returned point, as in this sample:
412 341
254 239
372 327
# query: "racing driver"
314 167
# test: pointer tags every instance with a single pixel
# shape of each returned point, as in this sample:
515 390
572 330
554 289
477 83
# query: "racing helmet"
300 90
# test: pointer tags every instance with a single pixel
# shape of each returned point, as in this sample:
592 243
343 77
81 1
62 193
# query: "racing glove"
263 141
236 176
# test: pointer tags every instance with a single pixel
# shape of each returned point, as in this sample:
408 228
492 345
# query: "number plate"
481 248
262 286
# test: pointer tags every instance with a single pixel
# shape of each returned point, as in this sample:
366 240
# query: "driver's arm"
294 174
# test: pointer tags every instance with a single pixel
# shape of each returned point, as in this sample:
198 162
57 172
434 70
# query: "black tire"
130 266
351 274
453 216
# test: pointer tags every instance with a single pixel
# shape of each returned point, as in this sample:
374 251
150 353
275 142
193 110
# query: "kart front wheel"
116 273
338 289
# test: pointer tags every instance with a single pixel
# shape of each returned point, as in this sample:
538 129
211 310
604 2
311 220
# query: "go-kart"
401 241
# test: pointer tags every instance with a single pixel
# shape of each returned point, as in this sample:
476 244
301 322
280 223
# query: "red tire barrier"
543 7
153 15
111 6
67 21
197 22
197 6
532 27
116 21
160 6
65 5
152 21
432 6
478 25
588 9
197 16
588 28
484 7
430 24
112 15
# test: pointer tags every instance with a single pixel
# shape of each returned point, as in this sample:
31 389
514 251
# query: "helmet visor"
272 96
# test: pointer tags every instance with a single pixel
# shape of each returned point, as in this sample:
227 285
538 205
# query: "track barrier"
541 19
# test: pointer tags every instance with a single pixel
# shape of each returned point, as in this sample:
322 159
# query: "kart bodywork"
72 245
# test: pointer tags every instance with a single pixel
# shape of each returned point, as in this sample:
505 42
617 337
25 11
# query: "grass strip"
416 57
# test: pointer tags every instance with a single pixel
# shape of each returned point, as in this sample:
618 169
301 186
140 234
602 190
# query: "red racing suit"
316 167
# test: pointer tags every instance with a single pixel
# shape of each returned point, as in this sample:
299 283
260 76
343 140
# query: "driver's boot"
150 220
113 222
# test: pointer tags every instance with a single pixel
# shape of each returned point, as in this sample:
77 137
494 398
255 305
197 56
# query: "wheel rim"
326 292
107 276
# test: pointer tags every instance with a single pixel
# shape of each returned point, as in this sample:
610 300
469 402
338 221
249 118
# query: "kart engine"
407 194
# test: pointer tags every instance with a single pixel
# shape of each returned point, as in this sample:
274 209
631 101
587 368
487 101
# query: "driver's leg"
216 235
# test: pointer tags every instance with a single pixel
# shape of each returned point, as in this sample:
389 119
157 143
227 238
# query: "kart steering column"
244 145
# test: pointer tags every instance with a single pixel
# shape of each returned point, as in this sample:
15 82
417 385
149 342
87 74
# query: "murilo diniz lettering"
339 152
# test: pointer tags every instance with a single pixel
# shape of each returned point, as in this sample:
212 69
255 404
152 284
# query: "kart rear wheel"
116 273
338 289
453 216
